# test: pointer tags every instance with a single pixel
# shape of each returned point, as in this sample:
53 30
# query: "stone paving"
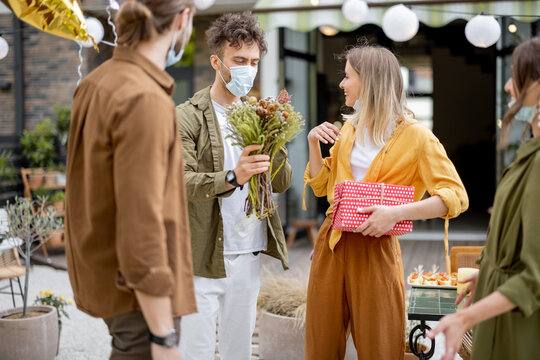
84 337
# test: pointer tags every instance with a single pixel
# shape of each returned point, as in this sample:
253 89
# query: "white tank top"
362 156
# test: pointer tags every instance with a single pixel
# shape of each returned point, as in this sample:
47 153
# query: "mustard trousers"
360 283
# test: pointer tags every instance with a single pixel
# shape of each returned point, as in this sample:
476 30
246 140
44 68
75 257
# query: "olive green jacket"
510 263
206 186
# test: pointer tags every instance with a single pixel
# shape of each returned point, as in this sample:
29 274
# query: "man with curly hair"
226 244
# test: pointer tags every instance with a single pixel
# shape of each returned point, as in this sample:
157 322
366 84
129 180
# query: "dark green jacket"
205 184
510 263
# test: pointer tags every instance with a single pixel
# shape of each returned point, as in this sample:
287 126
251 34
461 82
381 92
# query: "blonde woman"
357 278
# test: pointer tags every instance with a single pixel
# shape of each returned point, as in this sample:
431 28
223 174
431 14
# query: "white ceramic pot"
280 339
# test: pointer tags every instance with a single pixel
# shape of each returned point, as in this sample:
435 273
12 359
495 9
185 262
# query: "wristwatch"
230 177
169 340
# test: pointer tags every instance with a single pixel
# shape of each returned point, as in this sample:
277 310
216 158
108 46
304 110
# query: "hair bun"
135 22
133 11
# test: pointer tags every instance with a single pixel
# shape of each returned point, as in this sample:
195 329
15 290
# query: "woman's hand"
325 133
454 327
472 280
382 219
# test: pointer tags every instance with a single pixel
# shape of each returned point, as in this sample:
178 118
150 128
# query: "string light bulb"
314 2
512 28
328 30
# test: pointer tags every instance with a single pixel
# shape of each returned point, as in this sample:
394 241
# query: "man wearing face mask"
226 245
128 253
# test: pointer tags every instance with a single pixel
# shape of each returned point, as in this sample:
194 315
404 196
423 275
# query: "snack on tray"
436 279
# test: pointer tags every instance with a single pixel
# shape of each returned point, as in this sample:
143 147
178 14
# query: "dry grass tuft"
284 295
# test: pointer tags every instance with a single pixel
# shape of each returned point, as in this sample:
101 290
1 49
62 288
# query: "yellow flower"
62 298
42 293
70 301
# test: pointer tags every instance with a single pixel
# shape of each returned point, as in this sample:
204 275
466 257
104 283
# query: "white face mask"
242 78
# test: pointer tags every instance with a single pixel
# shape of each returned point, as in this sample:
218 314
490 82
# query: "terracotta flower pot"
50 178
35 180
59 206
29 338
280 339
56 239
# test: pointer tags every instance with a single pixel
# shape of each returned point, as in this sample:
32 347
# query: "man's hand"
249 165
164 353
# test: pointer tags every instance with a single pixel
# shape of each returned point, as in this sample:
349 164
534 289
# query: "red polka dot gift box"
349 196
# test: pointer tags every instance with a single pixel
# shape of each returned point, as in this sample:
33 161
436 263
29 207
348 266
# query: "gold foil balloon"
58 17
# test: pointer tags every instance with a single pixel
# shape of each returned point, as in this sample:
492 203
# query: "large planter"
30 338
280 339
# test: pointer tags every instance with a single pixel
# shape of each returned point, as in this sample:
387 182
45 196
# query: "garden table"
428 304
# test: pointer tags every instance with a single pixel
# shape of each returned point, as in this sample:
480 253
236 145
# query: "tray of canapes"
433 280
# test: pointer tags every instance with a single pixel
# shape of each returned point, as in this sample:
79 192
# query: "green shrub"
58 197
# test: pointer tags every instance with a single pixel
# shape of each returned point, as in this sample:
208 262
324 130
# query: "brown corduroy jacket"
126 209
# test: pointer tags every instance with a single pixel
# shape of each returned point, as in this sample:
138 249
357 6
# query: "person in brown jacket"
128 241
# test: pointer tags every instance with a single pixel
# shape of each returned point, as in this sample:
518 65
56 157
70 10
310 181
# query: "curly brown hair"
235 29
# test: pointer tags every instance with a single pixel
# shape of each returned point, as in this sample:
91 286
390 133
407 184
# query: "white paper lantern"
204 4
94 28
355 10
400 23
482 31
4 48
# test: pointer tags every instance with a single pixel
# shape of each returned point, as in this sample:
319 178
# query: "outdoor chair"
11 269
311 227
464 256
10 265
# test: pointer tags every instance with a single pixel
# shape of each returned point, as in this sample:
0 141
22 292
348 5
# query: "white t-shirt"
362 156
241 234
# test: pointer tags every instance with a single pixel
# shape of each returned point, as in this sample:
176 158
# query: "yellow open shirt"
413 156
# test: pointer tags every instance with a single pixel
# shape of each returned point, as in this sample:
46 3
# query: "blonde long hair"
382 94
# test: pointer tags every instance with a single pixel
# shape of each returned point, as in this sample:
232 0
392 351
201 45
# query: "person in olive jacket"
506 291
226 244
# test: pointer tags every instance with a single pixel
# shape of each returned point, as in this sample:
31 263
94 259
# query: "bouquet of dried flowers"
271 123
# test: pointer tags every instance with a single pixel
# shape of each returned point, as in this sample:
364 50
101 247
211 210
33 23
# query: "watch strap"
233 180
169 340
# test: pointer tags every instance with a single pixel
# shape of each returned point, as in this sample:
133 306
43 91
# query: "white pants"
232 299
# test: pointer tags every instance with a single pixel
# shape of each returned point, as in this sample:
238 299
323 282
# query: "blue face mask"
242 78
172 57
527 114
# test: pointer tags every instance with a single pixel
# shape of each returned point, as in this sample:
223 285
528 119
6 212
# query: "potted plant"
282 301
43 193
60 173
57 200
47 297
38 149
49 178
62 119
32 223
8 172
